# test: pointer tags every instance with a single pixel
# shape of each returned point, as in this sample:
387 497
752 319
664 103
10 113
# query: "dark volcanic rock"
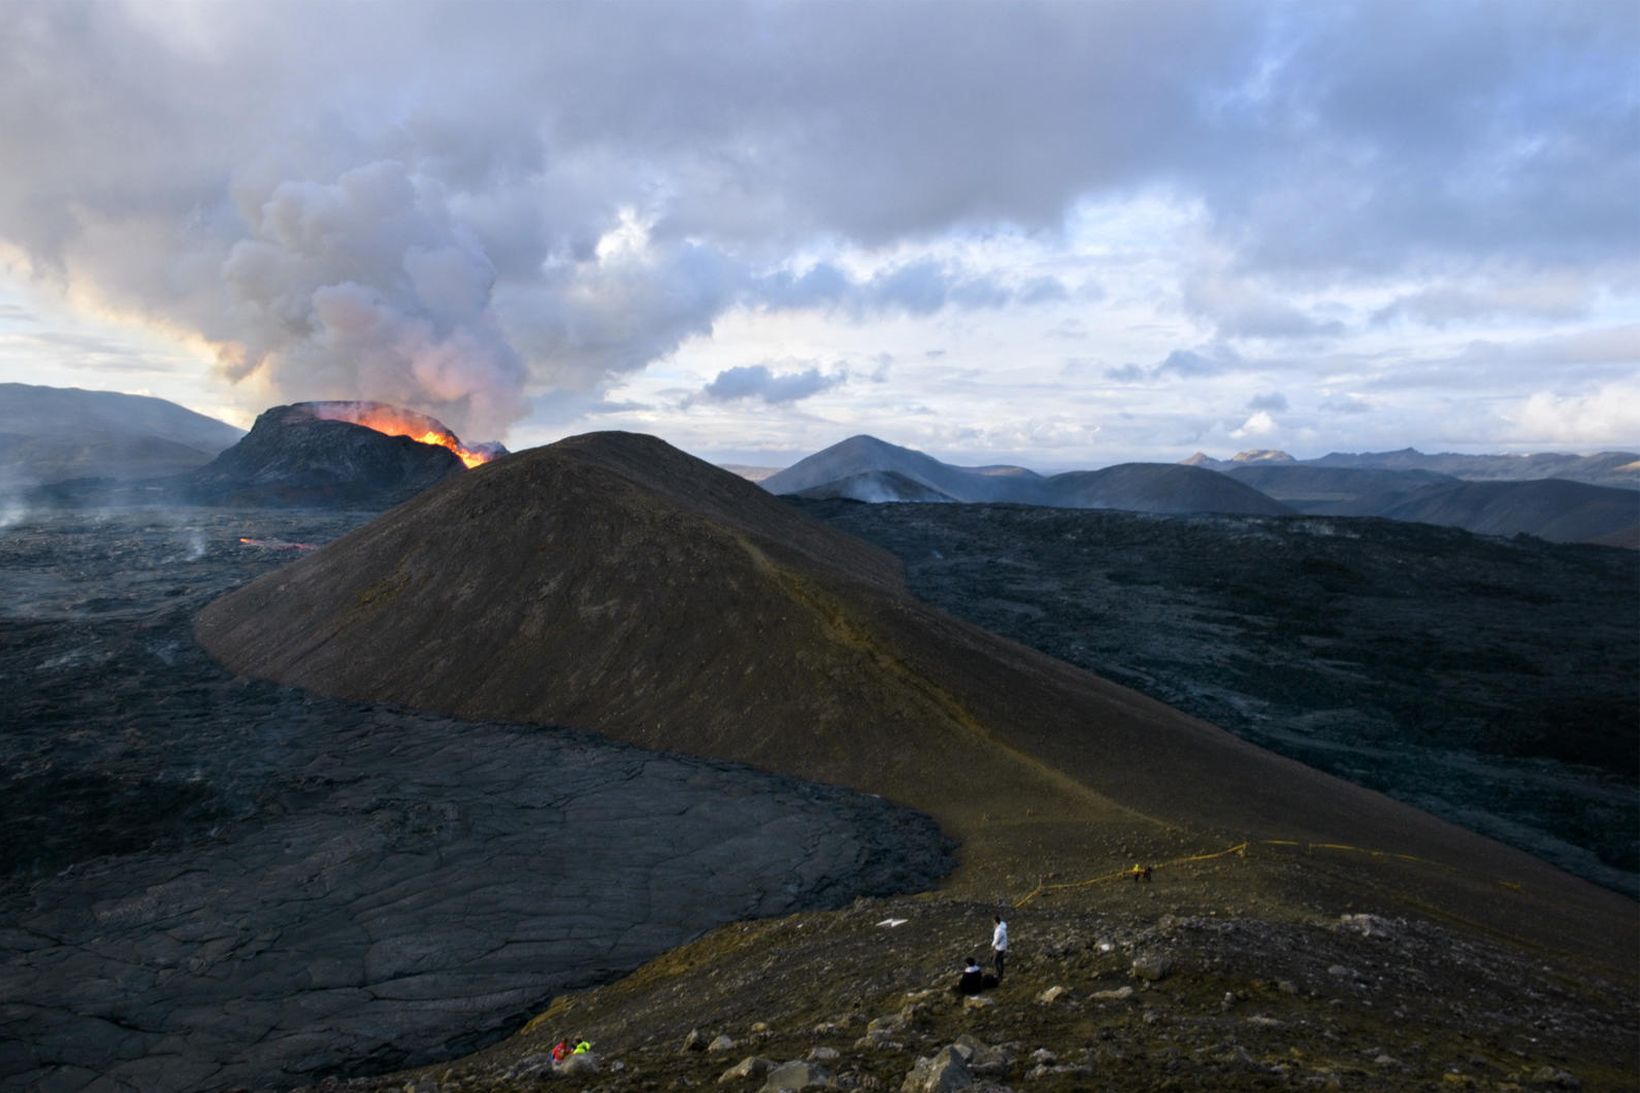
292 457
213 883
1491 681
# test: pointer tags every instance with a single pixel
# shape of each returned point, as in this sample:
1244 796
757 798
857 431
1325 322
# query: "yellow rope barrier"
1240 849
1042 889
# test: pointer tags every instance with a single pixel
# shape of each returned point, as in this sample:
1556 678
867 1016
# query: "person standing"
999 943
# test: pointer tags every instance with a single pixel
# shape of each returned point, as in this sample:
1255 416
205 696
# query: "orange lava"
395 422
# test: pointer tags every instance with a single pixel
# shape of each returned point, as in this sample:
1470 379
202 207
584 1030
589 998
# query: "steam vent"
610 582
363 454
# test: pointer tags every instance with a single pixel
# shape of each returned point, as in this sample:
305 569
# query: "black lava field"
213 882
1494 682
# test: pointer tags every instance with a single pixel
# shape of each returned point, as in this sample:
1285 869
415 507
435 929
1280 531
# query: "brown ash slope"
612 583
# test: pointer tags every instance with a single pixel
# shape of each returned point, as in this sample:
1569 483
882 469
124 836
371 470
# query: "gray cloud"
348 201
914 288
1548 297
1209 360
1346 404
1275 402
758 381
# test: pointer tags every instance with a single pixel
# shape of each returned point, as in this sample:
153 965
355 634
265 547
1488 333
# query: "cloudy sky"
1063 234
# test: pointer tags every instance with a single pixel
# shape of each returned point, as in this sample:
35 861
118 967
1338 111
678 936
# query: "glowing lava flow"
394 421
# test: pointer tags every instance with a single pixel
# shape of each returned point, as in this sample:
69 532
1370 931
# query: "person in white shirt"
999 943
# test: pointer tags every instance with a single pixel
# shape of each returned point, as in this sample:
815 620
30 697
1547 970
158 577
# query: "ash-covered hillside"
53 434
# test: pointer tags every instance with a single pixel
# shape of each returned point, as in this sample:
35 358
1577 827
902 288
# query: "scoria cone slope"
613 583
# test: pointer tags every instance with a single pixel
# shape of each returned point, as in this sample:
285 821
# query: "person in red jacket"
561 1051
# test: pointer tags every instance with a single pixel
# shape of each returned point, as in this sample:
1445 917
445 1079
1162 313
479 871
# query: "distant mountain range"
863 468
1404 485
52 434
1618 469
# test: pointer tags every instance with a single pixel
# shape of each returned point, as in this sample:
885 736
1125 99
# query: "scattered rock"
695 1041
721 1043
1559 1079
1366 925
1043 1057
887 1024
1384 1060
759 1027
1120 994
1286 986
750 1067
1338 971
795 1074
977 1002
1051 995
982 1058
1262 1021
823 1054
576 1066
947 1070
1152 967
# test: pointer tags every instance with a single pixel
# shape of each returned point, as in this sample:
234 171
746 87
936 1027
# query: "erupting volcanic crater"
364 453
397 421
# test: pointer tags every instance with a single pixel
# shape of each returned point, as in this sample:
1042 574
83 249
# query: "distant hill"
864 468
866 455
1619 469
1555 509
1159 488
748 472
874 487
52 434
1338 490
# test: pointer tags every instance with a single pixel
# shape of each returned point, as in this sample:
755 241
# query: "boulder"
982 1058
1051 995
576 1066
796 1075
721 1043
695 1041
752 1066
947 1070
1152 967
1366 925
